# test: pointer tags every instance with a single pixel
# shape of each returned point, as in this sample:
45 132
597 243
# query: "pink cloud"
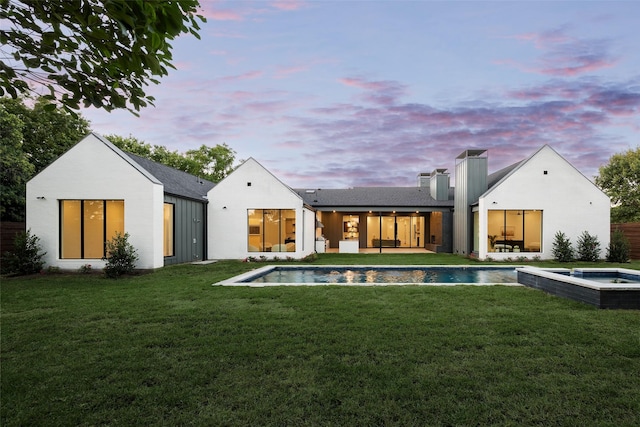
210 11
563 55
284 72
384 92
288 5
249 75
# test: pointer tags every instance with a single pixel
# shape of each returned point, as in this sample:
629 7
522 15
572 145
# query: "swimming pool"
374 275
600 287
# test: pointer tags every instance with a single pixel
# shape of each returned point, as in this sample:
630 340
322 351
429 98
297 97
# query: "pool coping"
559 282
553 273
238 280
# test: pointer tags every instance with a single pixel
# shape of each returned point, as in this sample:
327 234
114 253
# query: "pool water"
370 275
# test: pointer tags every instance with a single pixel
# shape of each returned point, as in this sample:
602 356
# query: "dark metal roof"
176 182
392 197
495 177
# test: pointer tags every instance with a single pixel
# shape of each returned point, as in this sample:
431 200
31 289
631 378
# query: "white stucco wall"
229 201
570 202
94 170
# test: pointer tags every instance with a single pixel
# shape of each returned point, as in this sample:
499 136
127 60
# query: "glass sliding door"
400 231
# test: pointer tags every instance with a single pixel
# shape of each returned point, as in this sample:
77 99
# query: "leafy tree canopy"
620 179
211 163
98 52
30 139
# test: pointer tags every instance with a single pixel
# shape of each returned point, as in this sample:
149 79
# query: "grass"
167 348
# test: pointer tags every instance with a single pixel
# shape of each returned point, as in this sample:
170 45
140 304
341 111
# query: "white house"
94 190
528 202
252 213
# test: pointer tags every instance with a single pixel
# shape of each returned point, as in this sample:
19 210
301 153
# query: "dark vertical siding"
189 227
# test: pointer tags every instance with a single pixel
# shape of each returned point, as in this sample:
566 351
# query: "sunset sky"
333 94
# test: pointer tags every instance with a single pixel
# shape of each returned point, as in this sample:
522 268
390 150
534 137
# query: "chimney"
423 179
439 184
471 183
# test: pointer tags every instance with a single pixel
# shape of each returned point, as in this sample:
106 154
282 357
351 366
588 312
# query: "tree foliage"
121 256
620 179
30 139
211 163
619 247
562 249
15 169
588 247
98 52
27 256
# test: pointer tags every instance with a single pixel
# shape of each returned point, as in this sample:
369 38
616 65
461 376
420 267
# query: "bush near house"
619 247
588 247
562 249
121 256
26 257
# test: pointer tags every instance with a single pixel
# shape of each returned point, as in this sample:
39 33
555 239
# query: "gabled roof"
505 173
175 182
392 197
497 176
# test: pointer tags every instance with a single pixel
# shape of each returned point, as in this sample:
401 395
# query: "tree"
562 249
211 163
26 257
121 256
15 169
619 247
620 179
30 139
588 247
100 53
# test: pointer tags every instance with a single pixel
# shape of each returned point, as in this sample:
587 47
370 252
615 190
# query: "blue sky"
336 94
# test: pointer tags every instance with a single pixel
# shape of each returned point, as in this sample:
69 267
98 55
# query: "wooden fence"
8 232
631 230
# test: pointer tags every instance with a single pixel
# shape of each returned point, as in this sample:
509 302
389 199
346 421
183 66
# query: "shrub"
619 247
85 269
588 247
562 249
310 258
26 257
121 256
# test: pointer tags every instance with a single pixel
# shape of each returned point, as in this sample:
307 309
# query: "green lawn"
167 348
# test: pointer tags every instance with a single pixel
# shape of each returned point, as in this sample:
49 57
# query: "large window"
399 231
169 230
86 225
514 230
271 230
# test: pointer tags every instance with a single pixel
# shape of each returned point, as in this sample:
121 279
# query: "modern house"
252 214
524 205
95 189
384 217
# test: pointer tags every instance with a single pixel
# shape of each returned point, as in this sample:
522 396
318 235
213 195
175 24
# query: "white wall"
570 202
229 201
93 169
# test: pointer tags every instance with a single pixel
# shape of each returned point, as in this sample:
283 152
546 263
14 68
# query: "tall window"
514 230
399 231
271 230
169 229
86 225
